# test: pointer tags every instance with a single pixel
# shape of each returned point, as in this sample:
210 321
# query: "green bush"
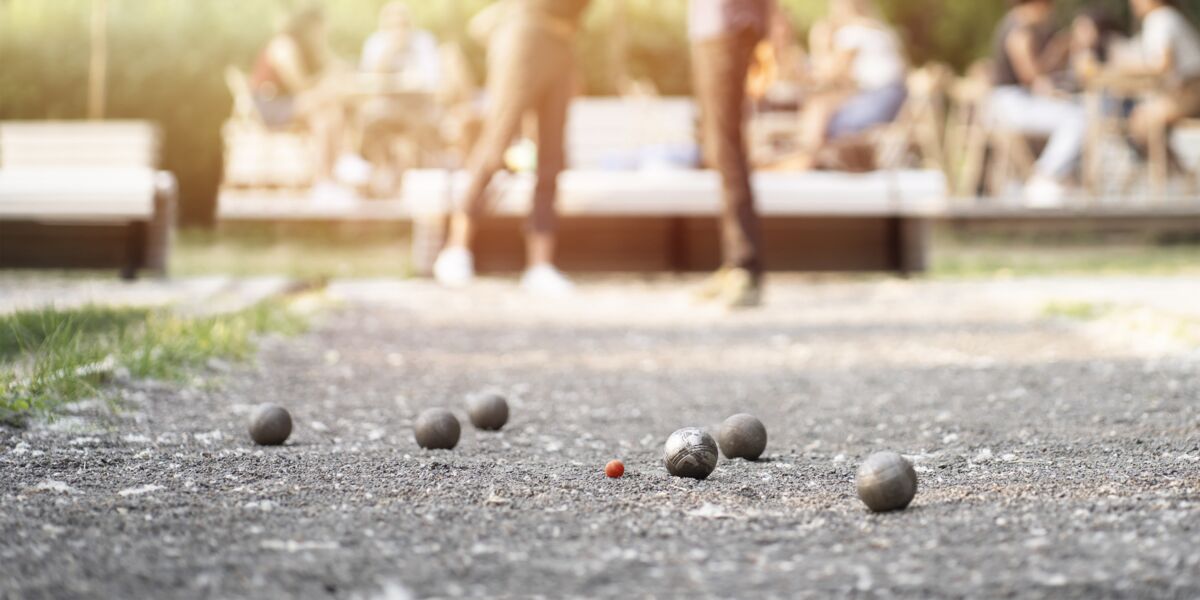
166 57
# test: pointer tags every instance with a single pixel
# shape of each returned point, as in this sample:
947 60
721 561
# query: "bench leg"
907 244
135 250
428 236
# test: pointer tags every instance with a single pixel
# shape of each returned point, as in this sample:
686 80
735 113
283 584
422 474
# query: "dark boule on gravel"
743 436
437 429
690 452
488 411
271 425
886 481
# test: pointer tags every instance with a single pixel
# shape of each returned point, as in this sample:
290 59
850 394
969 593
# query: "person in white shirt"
859 68
399 49
1170 49
408 58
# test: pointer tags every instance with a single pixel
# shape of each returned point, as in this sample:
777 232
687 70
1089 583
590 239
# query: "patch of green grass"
966 260
1080 311
308 252
51 357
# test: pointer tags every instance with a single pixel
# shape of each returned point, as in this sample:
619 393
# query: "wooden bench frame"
77 194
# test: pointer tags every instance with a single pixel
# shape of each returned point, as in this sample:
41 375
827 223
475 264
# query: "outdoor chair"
257 156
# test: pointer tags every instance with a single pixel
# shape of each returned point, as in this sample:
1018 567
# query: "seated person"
291 85
1094 34
401 50
859 71
1024 100
410 56
1170 49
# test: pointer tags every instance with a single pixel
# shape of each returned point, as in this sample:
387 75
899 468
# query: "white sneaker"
454 267
352 169
1044 192
545 280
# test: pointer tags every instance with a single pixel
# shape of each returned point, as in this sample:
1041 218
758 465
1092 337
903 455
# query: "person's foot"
353 170
454 267
711 287
1044 192
545 280
740 289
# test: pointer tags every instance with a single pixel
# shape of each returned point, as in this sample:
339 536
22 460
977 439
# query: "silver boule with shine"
690 452
743 436
886 481
271 425
488 411
437 429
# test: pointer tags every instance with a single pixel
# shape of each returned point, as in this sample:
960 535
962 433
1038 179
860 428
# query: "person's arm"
285 58
1020 49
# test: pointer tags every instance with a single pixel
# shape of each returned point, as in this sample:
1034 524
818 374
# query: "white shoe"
454 267
1044 192
545 280
352 169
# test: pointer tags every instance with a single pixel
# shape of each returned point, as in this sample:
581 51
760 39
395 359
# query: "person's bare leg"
462 230
539 248
814 127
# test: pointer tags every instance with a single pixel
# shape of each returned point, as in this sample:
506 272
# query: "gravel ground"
1056 458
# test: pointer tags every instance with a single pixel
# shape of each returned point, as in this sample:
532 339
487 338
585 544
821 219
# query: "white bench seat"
75 194
881 218
430 193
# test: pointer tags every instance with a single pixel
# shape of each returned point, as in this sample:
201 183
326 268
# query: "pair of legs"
1063 121
720 66
530 71
1151 121
322 113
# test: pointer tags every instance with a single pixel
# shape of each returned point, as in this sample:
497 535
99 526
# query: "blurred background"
166 58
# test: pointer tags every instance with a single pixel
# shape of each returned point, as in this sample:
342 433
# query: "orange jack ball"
614 469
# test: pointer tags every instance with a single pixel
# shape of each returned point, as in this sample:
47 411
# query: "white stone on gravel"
140 490
52 486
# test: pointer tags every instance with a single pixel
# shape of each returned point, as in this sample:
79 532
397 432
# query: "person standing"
530 69
723 36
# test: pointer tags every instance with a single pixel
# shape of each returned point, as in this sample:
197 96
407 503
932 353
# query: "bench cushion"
72 194
693 193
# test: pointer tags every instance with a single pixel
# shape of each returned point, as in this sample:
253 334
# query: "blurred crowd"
848 82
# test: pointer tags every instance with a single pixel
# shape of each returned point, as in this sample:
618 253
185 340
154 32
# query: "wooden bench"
77 194
665 220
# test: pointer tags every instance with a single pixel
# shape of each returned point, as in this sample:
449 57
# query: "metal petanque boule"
488 411
271 425
743 436
437 429
886 481
690 452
